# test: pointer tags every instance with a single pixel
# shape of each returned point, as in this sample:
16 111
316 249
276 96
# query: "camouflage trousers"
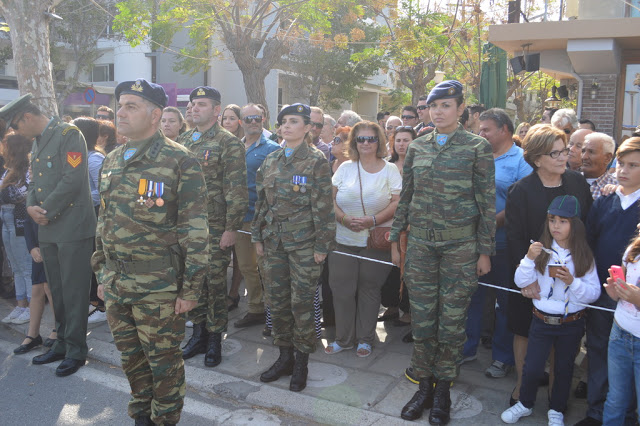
148 334
290 280
212 305
440 277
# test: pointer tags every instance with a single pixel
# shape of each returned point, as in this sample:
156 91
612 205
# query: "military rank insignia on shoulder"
69 128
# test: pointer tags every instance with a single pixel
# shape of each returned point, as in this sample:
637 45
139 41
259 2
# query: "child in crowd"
566 277
624 342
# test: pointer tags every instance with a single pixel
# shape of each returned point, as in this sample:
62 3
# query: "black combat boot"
441 403
144 421
282 367
421 400
198 342
300 371
213 356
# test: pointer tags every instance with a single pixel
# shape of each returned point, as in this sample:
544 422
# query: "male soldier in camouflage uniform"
152 251
59 200
221 155
448 199
293 228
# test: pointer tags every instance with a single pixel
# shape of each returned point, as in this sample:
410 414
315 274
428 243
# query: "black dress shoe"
69 366
47 358
23 349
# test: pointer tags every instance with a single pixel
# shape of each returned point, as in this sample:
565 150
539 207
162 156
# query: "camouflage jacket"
448 187
222 157
60 184
299 219
150 235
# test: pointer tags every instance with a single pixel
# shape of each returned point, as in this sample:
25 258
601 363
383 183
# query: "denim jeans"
624 375
17 254
502 345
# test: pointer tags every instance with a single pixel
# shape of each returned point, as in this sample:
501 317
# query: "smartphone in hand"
617 273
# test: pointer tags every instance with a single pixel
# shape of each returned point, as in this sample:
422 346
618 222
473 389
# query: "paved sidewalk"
342 388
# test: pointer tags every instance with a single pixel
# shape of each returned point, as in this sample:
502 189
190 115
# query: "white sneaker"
555 418
97 316
514 413
13 315
24 317
189 324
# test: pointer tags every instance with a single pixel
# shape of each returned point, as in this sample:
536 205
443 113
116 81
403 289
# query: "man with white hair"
348 118
566 120
597 153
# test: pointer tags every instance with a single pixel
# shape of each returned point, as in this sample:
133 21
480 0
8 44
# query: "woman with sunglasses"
366 191
448 200
545 149
293 230
339 149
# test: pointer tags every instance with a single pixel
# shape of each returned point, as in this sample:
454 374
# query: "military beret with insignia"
205 92
14 107
152 92
446 90
295 109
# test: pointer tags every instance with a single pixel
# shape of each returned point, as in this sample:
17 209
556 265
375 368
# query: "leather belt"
430 234
557 319
138 266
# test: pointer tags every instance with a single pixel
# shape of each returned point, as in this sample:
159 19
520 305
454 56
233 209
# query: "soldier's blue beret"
446 90
152 92
564 206
205 92
295 109
14 107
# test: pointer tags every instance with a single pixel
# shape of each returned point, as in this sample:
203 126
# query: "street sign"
89 95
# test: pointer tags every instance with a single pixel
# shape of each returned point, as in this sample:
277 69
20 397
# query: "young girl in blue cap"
562 264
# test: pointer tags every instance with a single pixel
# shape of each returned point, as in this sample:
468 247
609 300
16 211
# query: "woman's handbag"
378 236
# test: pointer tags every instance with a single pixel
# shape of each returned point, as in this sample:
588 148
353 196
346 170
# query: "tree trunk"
29 30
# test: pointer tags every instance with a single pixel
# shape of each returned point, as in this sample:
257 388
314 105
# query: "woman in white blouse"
365 192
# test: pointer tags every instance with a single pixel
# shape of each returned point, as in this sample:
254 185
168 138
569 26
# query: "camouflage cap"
295 109
14 107
448 89
205 92
152 92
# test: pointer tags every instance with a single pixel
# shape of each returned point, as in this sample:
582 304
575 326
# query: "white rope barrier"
479 283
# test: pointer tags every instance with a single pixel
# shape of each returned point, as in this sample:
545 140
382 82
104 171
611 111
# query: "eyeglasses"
391 127
566 131
404 128
556 154
367 139
422 107
102 117
408 117
251 118
337 140
317 125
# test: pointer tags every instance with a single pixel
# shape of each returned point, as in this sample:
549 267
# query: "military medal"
142 187
207 153
149 202
195 136
296 180
303 188
159 193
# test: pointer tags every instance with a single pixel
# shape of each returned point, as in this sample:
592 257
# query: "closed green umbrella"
493 77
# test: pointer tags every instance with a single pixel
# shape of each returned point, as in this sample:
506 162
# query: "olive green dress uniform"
148 254
222 157
60 185
293 221
448 198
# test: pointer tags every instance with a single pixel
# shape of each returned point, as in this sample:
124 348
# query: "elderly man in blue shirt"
257 148
496 126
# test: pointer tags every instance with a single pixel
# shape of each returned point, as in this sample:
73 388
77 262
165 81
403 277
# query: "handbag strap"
360 182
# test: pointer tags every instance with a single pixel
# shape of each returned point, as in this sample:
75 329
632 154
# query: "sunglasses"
367 139
317 125
337 140
556 154
422 107
408 117
404 128
251 118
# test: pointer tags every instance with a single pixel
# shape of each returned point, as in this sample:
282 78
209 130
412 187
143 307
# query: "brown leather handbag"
378 236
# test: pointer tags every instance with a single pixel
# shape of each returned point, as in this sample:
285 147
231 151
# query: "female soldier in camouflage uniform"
293 228
448 199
